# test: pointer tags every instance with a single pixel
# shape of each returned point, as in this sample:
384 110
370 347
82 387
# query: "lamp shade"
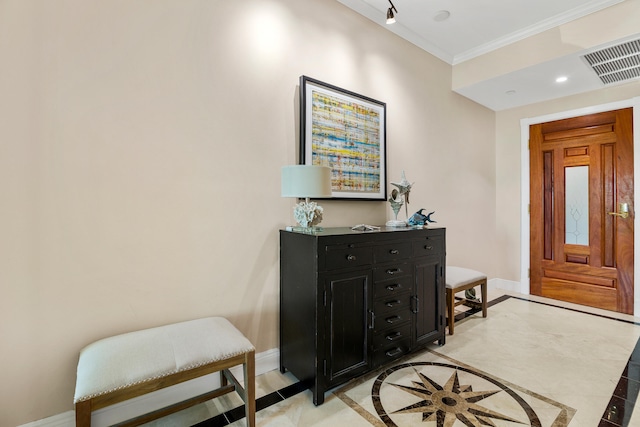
306 181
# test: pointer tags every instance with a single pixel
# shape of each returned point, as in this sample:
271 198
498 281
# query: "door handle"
624 211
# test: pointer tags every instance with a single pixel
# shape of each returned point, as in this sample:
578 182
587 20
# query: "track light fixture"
390 16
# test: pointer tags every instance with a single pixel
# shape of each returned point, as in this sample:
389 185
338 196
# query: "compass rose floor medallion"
446 393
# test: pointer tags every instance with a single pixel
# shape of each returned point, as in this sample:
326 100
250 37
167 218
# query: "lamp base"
308 214
396 223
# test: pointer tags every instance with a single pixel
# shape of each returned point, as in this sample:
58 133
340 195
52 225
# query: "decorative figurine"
404 187
419 219
396 203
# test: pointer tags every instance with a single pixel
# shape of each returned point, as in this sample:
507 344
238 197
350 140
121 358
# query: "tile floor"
532 361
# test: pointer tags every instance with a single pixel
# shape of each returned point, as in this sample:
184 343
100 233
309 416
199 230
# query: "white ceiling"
476 27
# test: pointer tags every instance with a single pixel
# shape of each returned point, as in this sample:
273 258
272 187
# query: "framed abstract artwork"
347 132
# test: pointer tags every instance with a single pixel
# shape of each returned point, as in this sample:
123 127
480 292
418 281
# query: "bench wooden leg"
83 413
450 309
223 379
483 288
250 388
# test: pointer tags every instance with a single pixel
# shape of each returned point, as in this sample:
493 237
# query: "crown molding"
547 24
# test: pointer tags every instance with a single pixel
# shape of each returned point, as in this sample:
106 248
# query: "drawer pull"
392 303
393 319
393 286
394 353
427 247
394 271
394 252
351 257
393 337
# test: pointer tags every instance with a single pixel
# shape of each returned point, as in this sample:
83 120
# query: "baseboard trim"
265 361
507 285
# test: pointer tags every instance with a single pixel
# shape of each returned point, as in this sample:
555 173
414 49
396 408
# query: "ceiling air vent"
617 63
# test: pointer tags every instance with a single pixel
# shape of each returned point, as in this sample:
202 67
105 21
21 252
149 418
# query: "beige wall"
140 152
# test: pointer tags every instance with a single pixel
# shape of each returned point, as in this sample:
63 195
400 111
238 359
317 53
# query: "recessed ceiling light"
441 15
562 79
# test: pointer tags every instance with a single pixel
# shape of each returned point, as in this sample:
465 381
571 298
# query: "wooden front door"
582 210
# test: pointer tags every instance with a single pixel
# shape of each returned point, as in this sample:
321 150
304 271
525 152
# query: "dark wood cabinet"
353 301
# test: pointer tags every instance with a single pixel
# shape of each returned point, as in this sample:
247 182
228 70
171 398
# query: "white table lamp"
306 181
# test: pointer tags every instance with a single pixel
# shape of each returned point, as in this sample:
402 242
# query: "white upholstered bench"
119 368
460 279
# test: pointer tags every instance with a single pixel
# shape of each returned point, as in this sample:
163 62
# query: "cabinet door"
347 327
427 301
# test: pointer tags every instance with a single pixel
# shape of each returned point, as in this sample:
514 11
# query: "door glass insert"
576 181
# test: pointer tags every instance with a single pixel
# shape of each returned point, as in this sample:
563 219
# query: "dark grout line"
219 420
574 310
263 402
623 400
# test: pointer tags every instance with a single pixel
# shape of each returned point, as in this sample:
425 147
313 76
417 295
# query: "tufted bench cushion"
158 357
458 277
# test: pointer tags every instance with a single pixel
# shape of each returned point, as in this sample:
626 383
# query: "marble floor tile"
532 361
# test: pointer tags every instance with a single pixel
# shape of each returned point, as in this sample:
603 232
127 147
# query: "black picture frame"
347 132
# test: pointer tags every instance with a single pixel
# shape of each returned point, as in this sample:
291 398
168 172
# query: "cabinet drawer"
393 251
391 352
428 246
349 255
392 337
391 320
391 271
392 304
387 288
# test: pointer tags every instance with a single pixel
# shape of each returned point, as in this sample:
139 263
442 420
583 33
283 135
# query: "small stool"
460 279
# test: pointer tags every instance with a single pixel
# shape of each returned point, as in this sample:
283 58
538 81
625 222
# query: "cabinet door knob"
394 271
394 252
351 257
